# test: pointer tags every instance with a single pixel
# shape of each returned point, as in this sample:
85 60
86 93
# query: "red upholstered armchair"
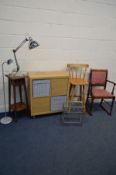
97 89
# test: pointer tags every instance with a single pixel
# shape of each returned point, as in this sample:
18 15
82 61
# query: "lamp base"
6 120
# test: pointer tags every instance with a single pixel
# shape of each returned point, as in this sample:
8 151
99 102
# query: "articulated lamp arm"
15 50
32 45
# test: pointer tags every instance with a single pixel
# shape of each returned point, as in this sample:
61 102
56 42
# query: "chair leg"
69 93
89 103
91 106
112 105
81 93
72 91
109 112
83 97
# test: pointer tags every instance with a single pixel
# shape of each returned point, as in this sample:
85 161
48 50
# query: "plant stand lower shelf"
19 107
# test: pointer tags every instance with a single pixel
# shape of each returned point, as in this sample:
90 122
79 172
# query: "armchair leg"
91 105
109 110
88 106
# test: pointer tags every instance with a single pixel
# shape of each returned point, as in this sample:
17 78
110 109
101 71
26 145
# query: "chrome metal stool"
73 113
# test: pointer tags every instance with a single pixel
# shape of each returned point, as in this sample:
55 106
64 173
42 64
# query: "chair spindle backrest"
77 70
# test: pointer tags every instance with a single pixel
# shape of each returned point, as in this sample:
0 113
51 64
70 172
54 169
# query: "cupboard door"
40 105
57 103
41 88
59 86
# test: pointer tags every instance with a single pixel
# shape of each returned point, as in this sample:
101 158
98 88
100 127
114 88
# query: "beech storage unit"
47 91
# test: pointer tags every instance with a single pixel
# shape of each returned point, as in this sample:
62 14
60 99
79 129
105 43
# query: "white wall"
68 31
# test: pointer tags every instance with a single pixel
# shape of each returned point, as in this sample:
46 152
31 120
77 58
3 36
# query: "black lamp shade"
9 61
32 44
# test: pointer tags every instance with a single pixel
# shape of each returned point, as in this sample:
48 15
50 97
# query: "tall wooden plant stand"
17 83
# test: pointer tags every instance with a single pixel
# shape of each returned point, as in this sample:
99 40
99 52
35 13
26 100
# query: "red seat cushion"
101 93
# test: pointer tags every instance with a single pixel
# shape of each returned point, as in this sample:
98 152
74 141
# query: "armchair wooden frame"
97 89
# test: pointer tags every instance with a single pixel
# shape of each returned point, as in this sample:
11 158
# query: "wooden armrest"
114 84
111 82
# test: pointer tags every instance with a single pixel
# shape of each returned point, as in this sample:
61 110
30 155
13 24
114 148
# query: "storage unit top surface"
48 74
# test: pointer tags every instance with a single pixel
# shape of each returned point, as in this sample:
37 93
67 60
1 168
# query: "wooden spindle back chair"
77 78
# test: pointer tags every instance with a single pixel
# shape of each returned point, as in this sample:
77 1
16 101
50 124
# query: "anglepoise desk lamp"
32 44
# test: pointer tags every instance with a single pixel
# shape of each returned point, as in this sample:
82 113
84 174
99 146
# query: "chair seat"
78 81
97 93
